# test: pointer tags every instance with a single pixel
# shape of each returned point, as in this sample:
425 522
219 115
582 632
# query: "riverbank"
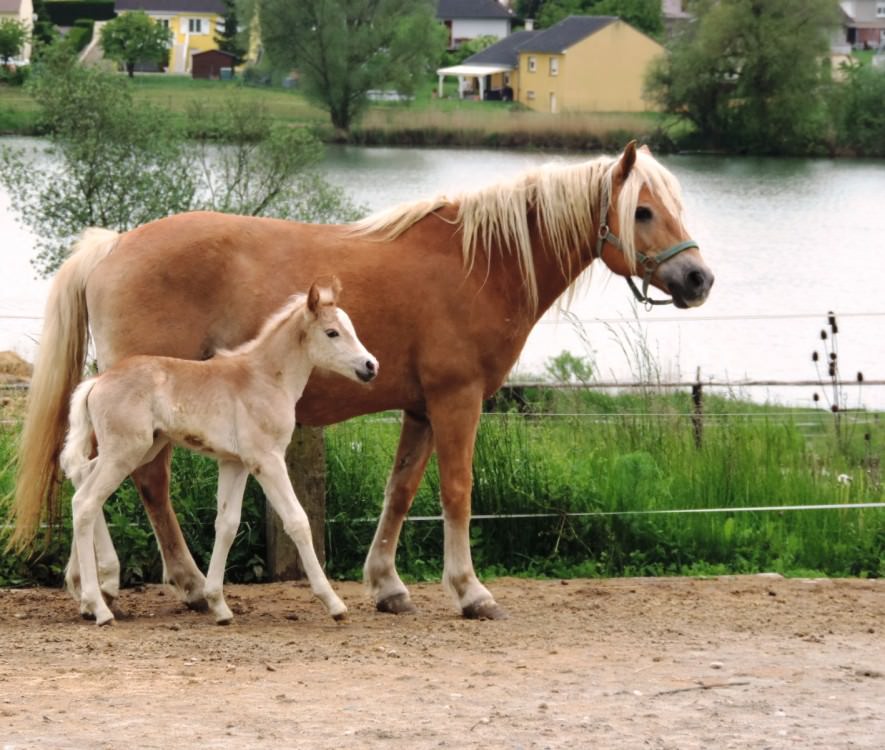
426 121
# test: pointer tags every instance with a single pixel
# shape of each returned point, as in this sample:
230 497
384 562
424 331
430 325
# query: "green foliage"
13 36
344 48
468 48
644 15
569 368
858 112
66 12
748 74
117 163
134 37
80 34
231 39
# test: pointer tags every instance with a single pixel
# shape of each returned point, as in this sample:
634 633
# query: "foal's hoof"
198 604
340 617
485 610
224 620
104 620
396 604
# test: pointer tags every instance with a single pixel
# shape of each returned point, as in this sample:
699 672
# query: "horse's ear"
645 149
335 286
313 298
628 159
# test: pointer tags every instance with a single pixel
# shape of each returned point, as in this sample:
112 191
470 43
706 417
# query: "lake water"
788 240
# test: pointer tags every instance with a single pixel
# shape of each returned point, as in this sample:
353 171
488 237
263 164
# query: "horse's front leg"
379 573
455 419
179 568
232 477
274 480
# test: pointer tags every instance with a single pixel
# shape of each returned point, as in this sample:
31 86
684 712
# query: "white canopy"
470 71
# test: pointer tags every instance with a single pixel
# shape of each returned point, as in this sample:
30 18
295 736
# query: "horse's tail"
75 456
57 369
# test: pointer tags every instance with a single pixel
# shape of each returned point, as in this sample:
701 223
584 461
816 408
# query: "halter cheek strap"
648 263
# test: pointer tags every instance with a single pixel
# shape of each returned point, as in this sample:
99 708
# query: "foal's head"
330 338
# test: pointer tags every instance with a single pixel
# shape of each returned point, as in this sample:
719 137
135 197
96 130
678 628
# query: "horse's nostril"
370 366
696 280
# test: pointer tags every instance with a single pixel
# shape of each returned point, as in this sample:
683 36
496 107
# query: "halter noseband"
649 264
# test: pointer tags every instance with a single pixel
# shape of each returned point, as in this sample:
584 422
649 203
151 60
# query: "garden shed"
210 63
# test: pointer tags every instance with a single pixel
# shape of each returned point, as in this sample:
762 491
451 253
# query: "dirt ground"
733 662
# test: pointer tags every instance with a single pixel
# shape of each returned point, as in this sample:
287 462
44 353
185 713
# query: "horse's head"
642 233
332 342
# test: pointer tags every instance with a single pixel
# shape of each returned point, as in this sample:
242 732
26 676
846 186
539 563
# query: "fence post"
306 462
697 417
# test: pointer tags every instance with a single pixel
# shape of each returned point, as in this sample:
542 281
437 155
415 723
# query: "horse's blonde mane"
271 324
568 199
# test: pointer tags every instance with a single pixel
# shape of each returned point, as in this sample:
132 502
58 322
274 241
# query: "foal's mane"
568 199
270 325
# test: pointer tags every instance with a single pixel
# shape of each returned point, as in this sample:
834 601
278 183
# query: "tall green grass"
609 455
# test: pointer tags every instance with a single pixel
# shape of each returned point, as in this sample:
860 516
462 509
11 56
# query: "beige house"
19 10
581 64
586 64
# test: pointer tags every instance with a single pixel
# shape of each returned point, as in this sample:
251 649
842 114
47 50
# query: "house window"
164 22
195 26
554 66
533 64
880 10
529 95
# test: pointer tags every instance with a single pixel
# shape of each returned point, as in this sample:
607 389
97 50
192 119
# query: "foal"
238 407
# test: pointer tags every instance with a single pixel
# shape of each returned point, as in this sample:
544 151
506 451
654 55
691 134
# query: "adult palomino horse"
238 407
443 291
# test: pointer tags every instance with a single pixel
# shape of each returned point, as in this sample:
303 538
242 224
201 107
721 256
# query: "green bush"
858 111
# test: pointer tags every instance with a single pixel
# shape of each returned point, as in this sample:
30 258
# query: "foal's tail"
74 458
58 368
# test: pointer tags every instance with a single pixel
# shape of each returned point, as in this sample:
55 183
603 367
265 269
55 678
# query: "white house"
19 10
469 19
864 22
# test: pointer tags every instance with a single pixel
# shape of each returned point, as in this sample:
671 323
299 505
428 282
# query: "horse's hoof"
104 620
340 617
396 604
87 616
485 610
225 620
198 605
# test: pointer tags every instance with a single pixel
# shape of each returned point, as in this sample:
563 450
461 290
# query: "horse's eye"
643 214
331 333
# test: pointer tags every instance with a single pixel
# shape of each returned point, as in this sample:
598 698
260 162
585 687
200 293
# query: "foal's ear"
323 291
645 149
628 159
313 298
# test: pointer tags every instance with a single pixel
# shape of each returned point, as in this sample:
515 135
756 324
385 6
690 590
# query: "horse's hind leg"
274 480
379 573
179 568
231 485
455 419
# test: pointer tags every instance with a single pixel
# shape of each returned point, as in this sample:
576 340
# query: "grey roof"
505 52
449 9
568 32
10 6
172 6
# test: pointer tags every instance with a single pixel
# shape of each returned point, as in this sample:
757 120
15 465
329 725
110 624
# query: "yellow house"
193 23
23 11
585 64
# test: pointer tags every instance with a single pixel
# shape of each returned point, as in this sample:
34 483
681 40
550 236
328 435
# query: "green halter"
648 263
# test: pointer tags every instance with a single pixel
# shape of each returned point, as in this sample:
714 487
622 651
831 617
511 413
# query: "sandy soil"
737 662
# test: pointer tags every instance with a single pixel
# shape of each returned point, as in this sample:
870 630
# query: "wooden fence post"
306 462
697 418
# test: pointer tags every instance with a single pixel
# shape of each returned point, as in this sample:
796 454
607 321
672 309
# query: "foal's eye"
331 333
643 214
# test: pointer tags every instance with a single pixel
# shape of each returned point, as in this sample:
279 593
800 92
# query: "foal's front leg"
232 477
274 480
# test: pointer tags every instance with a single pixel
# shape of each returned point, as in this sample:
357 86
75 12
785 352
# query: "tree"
13 35
134 37
230 38
749 74
344 48
116 163
644 15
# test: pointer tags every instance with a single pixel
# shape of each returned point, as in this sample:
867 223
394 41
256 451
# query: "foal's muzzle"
368 371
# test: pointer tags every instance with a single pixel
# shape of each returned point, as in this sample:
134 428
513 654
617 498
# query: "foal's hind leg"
232 477
379 572
179 568
107 561
274 480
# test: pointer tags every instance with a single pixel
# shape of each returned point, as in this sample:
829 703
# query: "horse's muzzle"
688 284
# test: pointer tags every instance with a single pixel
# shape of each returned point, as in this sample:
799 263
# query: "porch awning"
473 70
